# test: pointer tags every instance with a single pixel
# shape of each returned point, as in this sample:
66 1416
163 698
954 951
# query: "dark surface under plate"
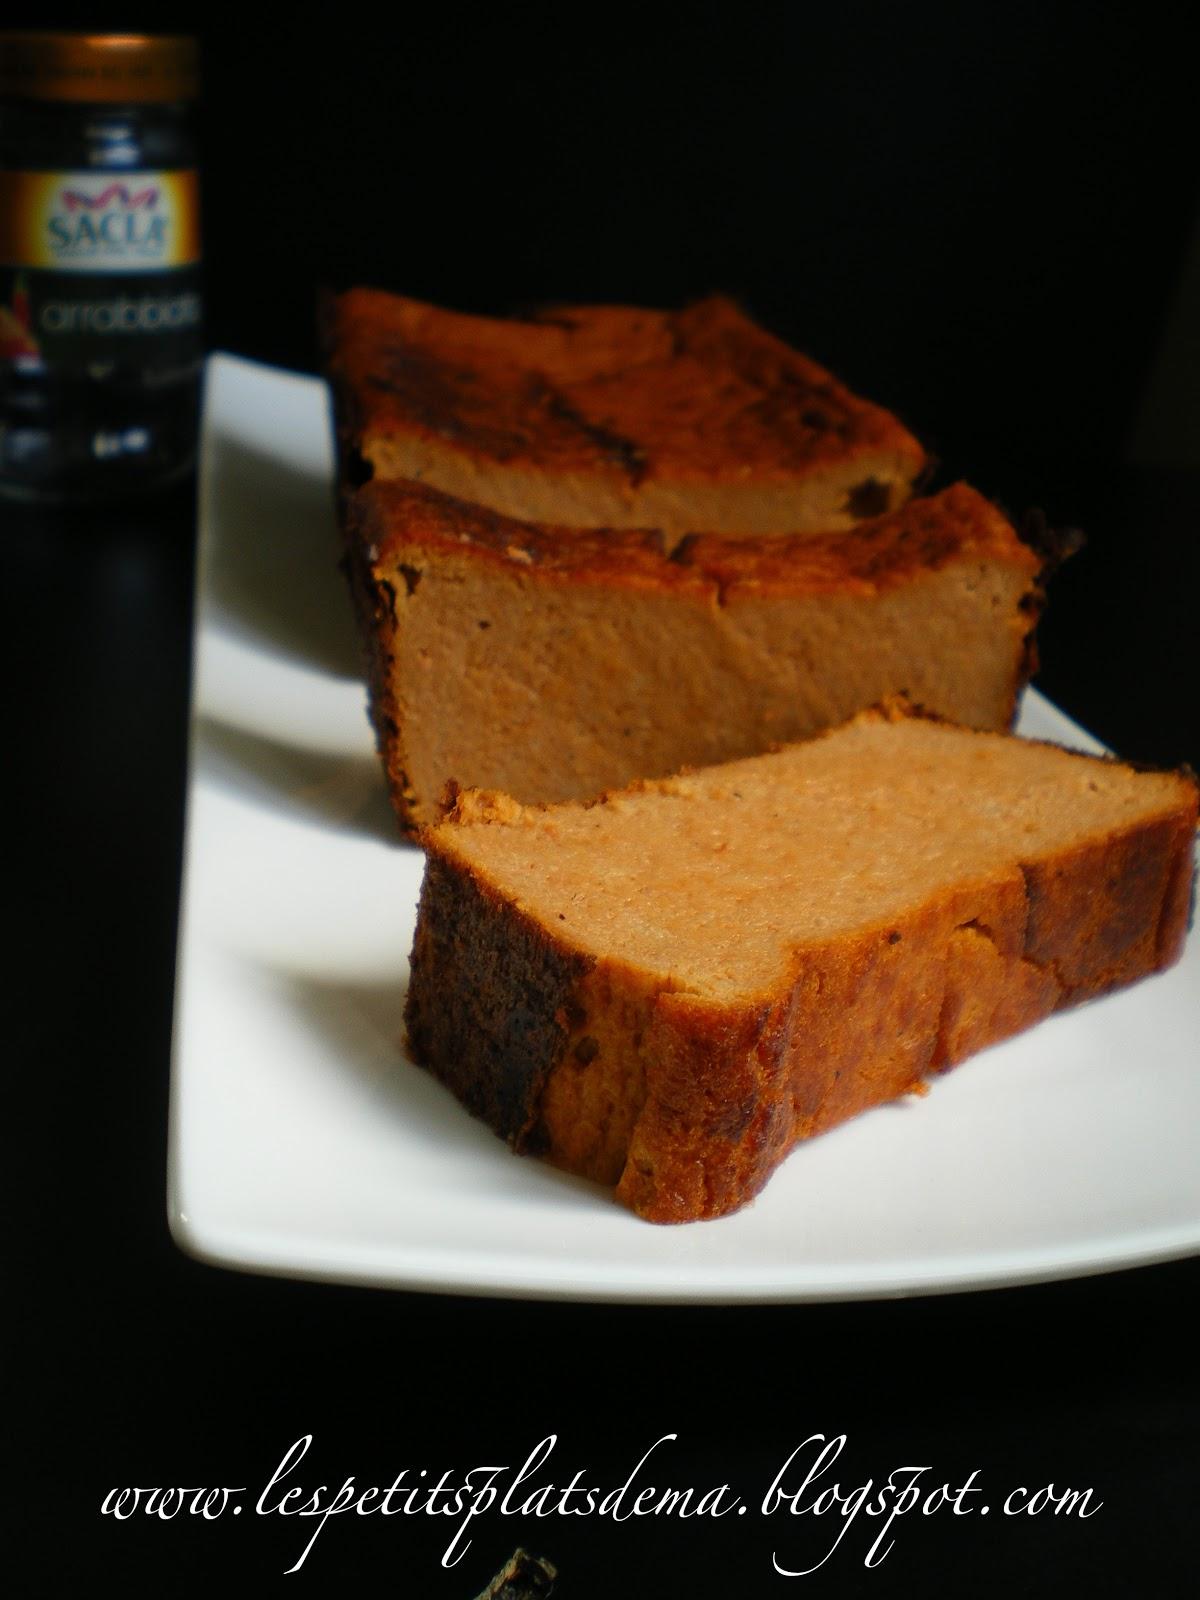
138 1366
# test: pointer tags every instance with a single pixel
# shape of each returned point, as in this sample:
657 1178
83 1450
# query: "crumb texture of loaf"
668 989
611 416
554 663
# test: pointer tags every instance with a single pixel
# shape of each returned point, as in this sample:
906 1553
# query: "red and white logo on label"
128 199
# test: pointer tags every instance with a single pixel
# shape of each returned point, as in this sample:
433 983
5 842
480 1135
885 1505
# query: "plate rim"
405 1269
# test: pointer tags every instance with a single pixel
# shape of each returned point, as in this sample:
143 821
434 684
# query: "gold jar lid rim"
115 68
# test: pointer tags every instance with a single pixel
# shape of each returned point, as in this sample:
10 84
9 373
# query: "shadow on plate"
272 574
343 792
363 1026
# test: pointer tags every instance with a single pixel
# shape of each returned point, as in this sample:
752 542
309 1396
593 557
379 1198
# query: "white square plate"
303 1142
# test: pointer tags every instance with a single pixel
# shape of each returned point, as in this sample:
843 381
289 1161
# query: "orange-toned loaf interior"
554 663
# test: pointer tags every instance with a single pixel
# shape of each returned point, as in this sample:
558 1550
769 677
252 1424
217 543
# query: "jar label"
99 221
99 269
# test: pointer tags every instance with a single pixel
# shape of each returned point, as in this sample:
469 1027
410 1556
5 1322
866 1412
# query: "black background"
975 214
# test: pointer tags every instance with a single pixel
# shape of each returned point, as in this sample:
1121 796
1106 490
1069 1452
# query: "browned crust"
1109 913
487 999
394 518
373 594
1052 546
921 537
731 1088
715 397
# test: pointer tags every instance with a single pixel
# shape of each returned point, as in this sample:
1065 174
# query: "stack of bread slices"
618 573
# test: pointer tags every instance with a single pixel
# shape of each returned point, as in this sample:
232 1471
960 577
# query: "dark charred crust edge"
373 600
1114 911
1033 606
1052 546
353 467
922 484
373 606
487 998
613 447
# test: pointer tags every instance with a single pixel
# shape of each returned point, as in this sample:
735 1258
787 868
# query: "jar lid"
93 68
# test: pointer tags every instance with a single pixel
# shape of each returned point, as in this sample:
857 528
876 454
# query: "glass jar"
100 287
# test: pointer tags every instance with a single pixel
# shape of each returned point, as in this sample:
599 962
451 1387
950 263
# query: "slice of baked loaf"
609 416
555 663
669 988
